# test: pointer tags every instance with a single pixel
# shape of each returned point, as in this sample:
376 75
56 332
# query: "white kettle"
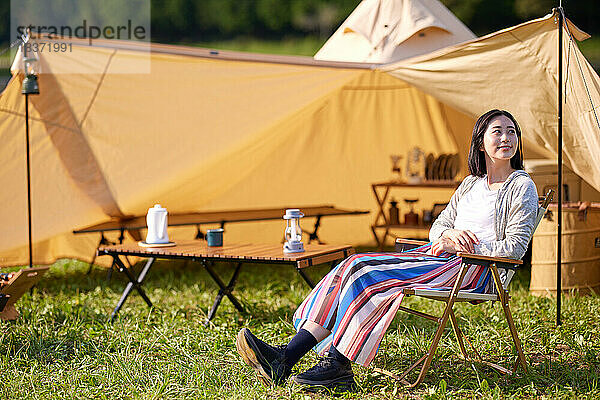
156 219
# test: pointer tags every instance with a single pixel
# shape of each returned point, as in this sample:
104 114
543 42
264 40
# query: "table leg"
110 270
133 283
199 234
306 278
224 290
333 265
103 241
135 234
314 235
380 215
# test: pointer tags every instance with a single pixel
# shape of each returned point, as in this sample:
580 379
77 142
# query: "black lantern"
32 69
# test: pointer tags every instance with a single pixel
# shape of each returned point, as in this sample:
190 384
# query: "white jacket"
514 219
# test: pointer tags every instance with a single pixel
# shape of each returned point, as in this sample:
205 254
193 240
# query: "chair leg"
459 335
462 337
441 325
513 332
426 358
401 377
504 297
430 353
473 349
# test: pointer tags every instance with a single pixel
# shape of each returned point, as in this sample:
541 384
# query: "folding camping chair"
456 295
15 287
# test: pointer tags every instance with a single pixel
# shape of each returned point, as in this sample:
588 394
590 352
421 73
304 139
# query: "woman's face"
500 140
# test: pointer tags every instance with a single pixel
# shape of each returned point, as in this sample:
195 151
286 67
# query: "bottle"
411 217
394 213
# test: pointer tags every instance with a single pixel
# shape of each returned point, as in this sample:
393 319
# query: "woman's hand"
466 239
4 278
446 245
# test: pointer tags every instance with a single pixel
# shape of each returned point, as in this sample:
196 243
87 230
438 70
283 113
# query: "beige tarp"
384 31
517 69
204 132
221 131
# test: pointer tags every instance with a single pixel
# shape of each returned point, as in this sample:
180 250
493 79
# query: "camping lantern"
293 232
32 69
415 166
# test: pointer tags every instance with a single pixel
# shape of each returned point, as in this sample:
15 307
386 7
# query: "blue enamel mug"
214 237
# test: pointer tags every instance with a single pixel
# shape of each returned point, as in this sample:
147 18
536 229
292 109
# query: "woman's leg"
357 303
323 305
274 363
333 371
319 314
316 330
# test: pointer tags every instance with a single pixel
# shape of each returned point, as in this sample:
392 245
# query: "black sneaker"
267 360
329 373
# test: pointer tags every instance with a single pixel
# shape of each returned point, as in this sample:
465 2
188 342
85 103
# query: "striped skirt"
359 298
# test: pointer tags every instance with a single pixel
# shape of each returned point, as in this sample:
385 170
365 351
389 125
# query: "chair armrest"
487 260
408 244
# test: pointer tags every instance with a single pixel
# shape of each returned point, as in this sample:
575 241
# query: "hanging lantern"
31 66
32 69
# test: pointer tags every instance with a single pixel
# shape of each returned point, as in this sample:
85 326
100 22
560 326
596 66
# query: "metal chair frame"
450 297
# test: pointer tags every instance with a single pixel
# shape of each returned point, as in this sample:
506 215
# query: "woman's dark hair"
476 159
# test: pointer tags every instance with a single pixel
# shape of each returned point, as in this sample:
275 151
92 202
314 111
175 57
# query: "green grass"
62 346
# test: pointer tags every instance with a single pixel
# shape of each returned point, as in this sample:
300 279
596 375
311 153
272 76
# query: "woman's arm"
520 224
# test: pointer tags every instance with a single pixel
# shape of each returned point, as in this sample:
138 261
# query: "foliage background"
207 20
301 26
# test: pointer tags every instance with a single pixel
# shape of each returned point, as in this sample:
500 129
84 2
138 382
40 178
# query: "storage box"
545 175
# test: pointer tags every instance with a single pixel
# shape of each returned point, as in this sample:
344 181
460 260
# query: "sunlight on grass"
64 347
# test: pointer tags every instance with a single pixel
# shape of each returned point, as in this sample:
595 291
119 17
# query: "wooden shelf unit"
381 191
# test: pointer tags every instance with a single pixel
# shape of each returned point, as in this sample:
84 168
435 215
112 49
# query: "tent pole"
28 178
560 169
26 93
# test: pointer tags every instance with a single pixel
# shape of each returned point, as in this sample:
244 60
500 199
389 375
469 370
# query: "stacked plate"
443 167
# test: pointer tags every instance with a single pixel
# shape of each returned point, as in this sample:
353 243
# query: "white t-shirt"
475 212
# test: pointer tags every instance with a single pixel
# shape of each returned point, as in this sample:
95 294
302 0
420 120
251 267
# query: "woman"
345 316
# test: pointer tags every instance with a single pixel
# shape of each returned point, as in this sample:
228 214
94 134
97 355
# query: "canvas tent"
384 31
221 131
518 70
201 132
